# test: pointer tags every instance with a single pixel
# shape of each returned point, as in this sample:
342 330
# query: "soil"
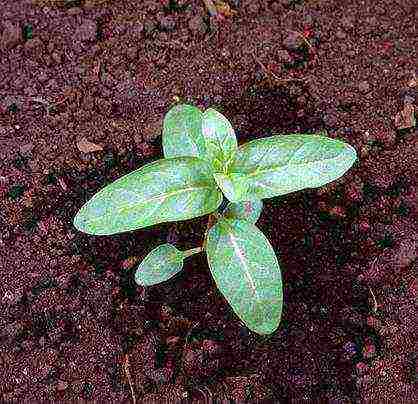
74 325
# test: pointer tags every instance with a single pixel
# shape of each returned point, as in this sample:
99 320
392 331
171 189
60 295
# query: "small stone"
253 8
364 86
131 53
61 385
56 57
276 7
12 35
74 11
197 25
340 34
167 23
210 346
87 31
293 41
88 147
42 76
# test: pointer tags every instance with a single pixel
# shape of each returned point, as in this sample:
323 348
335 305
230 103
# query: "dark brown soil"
73 324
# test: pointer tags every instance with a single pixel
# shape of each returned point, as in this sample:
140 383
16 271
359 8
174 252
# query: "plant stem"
192 251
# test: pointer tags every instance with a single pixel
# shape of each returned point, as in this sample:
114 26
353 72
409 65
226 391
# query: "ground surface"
107 71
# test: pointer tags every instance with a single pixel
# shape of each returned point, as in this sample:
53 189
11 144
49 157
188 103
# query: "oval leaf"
246 271
162 263
220 140
166 190
182 132
281 164
245 210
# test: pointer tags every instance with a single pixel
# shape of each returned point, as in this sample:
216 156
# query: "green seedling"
202 164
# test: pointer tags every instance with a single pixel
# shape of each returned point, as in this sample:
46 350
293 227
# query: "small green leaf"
246 271
246 210
281 164
231 185
182 132
166 190
162 263
221 142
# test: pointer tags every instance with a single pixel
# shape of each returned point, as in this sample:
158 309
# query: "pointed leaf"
246 271
182 132
221 142
166 190
281 164
162 263
246 210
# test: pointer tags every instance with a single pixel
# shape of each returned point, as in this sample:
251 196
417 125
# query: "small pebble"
340 34
61 385
364 86
210 346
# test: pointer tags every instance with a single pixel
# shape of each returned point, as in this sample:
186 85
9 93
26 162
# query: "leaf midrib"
121 209
283 166
244 262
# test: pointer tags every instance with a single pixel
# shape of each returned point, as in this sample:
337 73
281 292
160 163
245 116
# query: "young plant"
202 163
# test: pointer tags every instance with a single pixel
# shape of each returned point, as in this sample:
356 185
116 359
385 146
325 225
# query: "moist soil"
75 326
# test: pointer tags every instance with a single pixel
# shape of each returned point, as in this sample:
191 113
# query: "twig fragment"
278 79
375 305
128 376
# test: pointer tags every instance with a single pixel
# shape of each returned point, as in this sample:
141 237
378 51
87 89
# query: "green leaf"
182 132
166 190
246 271
281 164
232 185
246 210
162 263
221 142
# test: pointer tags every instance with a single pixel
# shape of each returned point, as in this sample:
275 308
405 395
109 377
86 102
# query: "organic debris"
406 118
